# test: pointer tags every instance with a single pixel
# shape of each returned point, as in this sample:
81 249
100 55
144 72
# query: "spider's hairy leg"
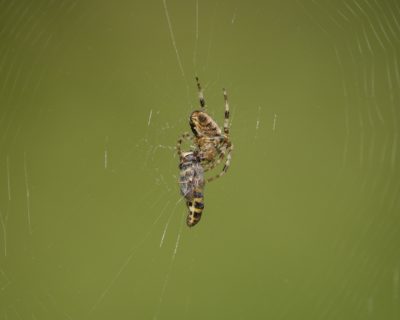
201 95
226 165
209 165
184 136
226 118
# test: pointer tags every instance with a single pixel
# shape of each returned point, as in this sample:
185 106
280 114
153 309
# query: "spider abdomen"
203 125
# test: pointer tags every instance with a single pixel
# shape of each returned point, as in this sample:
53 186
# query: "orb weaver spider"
211 143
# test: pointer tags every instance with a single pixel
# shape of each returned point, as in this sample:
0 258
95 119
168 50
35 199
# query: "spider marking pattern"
209 146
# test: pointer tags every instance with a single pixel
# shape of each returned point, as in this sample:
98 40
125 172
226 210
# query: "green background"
93 97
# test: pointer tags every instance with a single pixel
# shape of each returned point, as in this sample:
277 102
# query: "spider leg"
226 165
226 119
201 95
211 165
185 136
210 153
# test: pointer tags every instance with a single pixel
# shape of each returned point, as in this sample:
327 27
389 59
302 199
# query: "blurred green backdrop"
93 96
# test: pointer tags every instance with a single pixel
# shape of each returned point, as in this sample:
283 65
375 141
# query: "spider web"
93 97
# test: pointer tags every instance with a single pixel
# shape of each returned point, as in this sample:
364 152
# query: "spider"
212 144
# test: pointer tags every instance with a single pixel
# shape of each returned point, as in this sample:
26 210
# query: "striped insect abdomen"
196 207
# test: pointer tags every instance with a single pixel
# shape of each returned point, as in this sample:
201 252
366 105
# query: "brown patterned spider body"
213 143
